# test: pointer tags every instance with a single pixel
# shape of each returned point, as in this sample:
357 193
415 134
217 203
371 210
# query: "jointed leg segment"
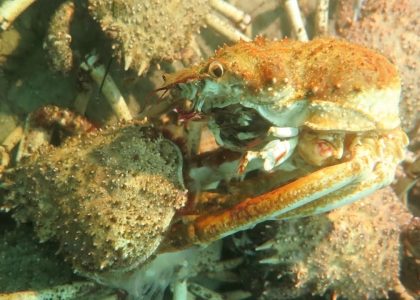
372 159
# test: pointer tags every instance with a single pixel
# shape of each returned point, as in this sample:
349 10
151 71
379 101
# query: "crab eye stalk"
216 69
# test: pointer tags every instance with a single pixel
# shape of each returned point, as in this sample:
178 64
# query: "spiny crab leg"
293 11
367 168
225 29
109 88
10 10
321 17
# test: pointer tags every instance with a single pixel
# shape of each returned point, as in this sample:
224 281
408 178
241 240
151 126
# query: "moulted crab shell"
107 197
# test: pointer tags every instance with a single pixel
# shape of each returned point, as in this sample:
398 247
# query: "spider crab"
320 117
140 32
317 121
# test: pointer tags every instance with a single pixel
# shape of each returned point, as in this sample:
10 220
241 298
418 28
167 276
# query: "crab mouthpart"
205 94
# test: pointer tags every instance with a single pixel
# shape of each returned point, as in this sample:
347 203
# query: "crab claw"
369 166
274 152
320 149
272 155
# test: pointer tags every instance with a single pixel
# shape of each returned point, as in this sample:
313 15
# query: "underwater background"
366 250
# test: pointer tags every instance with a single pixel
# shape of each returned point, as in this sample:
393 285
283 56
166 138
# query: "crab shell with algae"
107 197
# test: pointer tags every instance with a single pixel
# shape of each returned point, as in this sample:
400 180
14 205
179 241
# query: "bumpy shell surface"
58 40
359 89
352 251
151 29
107 197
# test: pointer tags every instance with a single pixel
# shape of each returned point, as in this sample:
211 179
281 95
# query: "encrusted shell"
359 89
144 30
107 198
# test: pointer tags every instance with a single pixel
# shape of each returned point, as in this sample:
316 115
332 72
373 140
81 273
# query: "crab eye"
216 69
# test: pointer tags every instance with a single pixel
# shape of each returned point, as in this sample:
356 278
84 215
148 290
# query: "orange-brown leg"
213 226
371 166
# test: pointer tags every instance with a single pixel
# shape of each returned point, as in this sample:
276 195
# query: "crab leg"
293 11
180 290
203 292
322 17
8 144
207 228
271 205
109 89
10 10
357 6
67 291
225 29
272 155
367 168
232 12
20 150
58 39
279 201
341 197
82 99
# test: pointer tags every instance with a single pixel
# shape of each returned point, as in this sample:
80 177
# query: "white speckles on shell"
108 197
151 29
